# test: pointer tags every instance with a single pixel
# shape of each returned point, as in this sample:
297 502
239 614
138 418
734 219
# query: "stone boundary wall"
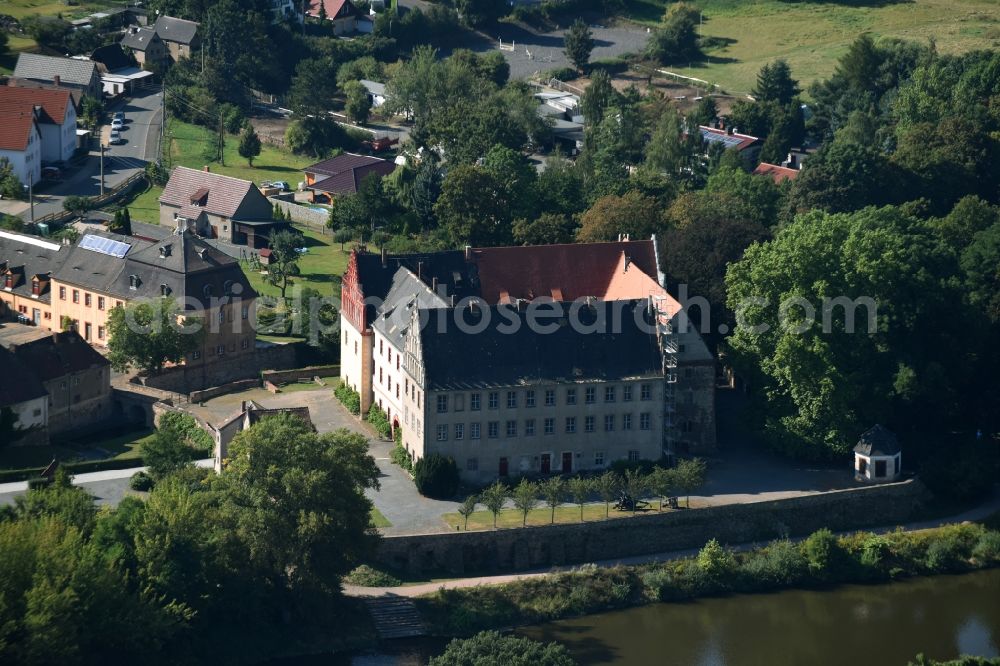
460 553
285 376
185 379
231 387
302 214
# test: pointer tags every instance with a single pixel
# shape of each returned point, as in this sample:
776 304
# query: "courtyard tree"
467 508
525 497
357 104
10 184
148 334
554 492
607 486
663 482
493 498
436 476
578 44
689 476
249 147
122 223
284 263
343 235
636 484
579 489
78 205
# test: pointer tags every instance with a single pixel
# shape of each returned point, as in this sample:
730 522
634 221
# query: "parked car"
117 124
115 138
281 185
119 115
51 173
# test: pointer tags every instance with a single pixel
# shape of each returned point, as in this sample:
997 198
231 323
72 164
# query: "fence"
109 196
316 219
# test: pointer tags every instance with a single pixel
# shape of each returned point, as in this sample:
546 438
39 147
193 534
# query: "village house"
79 76
398 365
286 10
55 115
145 46
216 206
104 271
376 92
180 36
343 14
25 398
778 174
249 415
747 146
343 174
21 144
76 378
26 267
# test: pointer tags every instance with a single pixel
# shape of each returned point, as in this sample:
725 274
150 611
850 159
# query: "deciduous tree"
149 334
578 43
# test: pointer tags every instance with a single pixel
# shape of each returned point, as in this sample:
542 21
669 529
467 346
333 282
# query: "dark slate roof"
29 256
454 359
150 232
877 441
44 68
345 172
190 268
376 277
25 387
94 270
407 292
172 29
255 412
139 40
58 355
113 57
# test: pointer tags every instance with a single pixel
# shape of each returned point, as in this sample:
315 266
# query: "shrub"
490 648
987 549
39 482
366 576
779 564
716 561
401 457
379 421
825 557
436 476
349 398
141 481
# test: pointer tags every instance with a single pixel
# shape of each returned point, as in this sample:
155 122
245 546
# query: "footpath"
987 508
94 477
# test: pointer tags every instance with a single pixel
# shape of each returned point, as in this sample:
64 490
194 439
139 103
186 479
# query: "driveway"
141 140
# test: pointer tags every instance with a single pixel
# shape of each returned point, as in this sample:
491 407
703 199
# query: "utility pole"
222 140
31 201
102 168
163 121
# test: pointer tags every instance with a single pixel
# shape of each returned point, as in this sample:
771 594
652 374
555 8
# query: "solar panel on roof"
103 245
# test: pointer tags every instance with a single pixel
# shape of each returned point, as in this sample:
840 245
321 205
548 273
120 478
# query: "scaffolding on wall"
666 336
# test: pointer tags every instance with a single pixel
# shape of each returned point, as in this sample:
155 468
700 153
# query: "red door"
503 467
567 465
546 463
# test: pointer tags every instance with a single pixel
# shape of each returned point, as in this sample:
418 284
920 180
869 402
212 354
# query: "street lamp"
31 200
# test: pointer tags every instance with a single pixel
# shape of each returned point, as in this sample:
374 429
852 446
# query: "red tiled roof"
345 172
15 129
775 172
53 102
225 194
573 270
334 8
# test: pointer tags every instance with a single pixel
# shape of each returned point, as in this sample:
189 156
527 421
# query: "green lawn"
483 520
378 520
126 446
812 35
321 267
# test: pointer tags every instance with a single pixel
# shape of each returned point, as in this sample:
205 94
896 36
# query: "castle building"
449 346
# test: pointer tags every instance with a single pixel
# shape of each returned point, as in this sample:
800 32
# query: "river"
884 625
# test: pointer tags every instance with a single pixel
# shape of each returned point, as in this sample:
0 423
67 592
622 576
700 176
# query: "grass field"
378 520
122 447
483 520
811 36
319 266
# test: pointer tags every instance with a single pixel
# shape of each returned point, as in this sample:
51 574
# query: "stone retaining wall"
302 214
285 376
460 553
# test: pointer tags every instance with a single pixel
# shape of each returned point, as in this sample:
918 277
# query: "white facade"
59 141
27 163
283 9
877 468
32 413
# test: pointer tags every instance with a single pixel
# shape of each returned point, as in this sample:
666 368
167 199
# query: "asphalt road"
141 135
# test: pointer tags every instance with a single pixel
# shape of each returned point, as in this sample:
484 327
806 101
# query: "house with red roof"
778 174
343 14
445 344
55 114
343 174
21 143
747 146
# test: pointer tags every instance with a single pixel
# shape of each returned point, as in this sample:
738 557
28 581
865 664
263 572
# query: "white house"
877 456
376 92
21 144
55 115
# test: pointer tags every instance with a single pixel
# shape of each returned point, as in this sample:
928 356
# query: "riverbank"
821 561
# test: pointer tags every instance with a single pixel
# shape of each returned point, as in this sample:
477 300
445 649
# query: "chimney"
521 304
473 306
730 130
434 285
55 338
468 253
206 169
201 252
420 270
385 257
55 80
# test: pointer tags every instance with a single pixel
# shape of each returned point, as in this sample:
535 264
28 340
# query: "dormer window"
8 281
227 288
164 290
133 282
200 197
164 251
207 290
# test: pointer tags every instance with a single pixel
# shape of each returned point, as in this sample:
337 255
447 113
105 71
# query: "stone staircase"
395 617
